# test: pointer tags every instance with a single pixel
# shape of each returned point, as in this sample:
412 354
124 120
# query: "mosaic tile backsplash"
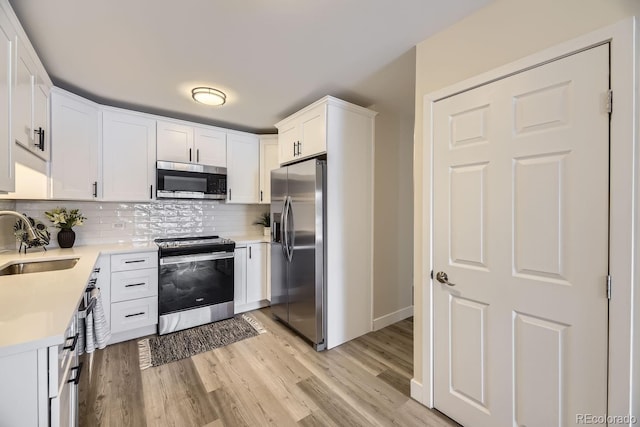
117 222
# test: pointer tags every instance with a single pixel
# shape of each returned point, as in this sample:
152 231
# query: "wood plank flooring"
273 379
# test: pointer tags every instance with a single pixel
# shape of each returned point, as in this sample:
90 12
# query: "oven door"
191 281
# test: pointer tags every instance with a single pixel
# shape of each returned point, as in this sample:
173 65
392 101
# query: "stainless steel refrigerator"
298 272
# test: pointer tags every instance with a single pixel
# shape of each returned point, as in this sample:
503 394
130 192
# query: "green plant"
264 220
62 218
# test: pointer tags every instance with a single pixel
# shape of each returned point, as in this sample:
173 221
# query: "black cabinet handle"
229 194
189 154
78 370
260 195
40 143
72 347
96 270
197 155
135 314
249 252
134 261
151 191
135 284
95 189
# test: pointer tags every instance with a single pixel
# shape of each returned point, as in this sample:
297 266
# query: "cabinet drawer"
134 261
61 357
134 314
134 284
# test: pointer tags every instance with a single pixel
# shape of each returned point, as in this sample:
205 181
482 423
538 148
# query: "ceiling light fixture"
208 96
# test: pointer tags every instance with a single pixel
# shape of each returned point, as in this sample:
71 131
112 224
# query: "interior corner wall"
393 216
500 33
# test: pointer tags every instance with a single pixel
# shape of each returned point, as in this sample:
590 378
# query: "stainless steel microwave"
190 181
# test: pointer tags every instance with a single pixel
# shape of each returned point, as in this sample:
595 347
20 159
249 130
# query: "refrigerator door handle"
283 228
292 231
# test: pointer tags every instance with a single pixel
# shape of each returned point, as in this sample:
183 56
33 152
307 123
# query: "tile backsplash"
117 222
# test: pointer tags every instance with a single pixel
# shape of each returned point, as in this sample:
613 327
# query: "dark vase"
66 237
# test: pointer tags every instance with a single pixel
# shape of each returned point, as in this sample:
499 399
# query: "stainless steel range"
195 281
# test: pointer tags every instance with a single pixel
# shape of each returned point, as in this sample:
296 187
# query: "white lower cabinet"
133 295
39 387
130 315
250 273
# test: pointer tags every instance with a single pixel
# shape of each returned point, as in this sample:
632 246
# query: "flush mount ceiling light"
208 96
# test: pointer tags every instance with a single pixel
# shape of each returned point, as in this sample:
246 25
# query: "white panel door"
256 273
22 110
521 231
175 142
243 177
211 147
75 137
128 155
7 160
268 162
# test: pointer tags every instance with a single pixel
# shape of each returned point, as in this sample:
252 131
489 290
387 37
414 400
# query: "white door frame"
624 238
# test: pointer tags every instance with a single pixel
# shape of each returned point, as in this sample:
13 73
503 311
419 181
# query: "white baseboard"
416 390
391 318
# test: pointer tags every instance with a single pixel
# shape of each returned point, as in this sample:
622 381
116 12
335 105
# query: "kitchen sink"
38 266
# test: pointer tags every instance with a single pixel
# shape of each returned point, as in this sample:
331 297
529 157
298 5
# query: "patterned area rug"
161 349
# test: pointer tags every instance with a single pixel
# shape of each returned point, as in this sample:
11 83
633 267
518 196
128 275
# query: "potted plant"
265 221
65 220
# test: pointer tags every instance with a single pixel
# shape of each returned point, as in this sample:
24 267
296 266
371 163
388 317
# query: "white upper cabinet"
7 176
179 142
75 134
128 155
243 176
210 146
304 134
175 142
268 162
30 103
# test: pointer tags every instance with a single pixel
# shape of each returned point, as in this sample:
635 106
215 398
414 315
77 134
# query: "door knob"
442 277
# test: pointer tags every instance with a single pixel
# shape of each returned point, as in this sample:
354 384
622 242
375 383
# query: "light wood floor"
272 379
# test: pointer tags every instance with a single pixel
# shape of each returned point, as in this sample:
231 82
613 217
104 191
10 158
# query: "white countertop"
36 308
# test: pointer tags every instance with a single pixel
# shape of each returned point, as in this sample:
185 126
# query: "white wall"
393 218
500 33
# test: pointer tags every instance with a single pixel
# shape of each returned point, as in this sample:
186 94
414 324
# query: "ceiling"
271 58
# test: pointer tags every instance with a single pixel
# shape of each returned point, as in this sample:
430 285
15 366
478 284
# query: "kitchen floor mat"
160 349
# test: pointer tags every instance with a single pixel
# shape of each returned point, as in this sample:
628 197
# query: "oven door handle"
195 257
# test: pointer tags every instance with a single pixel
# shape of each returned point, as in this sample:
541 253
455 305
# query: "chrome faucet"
31 232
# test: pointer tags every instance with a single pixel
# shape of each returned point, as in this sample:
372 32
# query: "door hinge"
608 286
609 103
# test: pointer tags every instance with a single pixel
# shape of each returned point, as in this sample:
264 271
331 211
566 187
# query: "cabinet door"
41 93
211 147
243 176
128 156
75 132
268 162
7 177
288 137
256 273
19 391
22 111
239 278
313 132
175 142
